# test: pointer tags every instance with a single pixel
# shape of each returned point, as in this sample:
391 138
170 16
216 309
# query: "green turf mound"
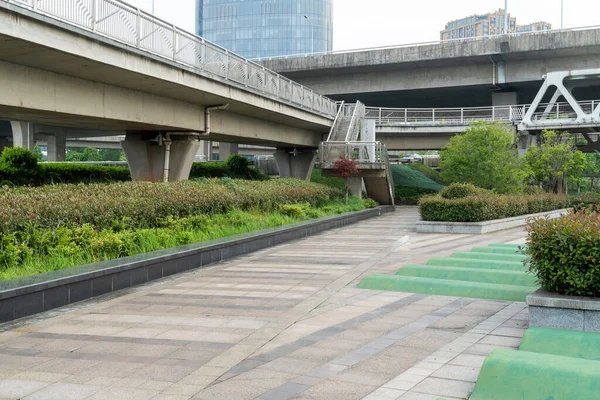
445 287
492 272
404 175
511 375
576 344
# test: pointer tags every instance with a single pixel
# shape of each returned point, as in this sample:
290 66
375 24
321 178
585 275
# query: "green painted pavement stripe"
511 375
508 246
496 250
489 256
478 264
446 287
576 344
516 278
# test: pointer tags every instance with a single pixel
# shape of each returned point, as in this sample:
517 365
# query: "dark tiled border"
27 296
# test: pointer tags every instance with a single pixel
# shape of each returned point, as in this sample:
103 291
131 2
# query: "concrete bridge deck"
282 323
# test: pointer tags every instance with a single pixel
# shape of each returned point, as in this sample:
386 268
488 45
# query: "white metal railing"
400 46
120 21
366 152
356 123
467 115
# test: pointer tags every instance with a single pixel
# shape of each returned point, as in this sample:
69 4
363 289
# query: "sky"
374 23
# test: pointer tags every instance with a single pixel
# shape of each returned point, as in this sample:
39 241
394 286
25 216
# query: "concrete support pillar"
23 135
205 152
525 141
57 147
355 184
227 149
146 156
294 163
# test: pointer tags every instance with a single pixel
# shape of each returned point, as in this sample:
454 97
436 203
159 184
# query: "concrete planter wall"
551 310
27 296
482 227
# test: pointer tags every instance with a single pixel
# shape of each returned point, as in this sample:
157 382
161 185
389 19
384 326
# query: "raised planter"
551 310
484 226
27 296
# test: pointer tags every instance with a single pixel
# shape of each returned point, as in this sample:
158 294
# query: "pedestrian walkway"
284 323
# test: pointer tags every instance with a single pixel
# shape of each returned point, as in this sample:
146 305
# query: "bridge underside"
457 96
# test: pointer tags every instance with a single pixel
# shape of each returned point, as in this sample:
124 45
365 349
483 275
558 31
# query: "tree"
87 154
37 150
347 169
110 154
484 155
554 160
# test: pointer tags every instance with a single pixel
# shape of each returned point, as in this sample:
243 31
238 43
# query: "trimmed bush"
460 191
143 205
83 173
487 207
408 195
564 253
19 166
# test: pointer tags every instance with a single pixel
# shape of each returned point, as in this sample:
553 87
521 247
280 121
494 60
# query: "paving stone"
445 387
17 389
64 391
457 372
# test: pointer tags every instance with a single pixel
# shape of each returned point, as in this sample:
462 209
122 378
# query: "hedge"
144 205
487 207
408 195
564 253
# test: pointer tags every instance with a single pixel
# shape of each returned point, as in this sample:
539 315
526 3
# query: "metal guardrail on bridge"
559 111
120 21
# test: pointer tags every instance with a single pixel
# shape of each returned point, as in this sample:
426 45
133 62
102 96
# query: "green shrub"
586 201
370 203
237 165
143 205
294 210
564 253
460 191
83 173
487 207
331 181
529 190
408 195
19 166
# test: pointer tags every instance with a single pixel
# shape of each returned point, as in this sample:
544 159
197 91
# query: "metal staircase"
371 157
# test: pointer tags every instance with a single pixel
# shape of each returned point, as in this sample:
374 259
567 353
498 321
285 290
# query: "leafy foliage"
564 253
37 249
317 177
142 205
408 195
461 190
553 161
346 168
484 155
81 173
487 207
87 154
429 172
19 166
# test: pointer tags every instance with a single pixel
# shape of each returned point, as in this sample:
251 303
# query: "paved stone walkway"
283 323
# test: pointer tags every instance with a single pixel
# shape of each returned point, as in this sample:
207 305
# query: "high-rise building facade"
487 25
267 28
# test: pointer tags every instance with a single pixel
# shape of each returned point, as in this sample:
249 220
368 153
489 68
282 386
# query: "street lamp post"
312 36
562 13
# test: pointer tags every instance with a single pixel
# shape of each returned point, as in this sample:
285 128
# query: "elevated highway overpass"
497 70
105 65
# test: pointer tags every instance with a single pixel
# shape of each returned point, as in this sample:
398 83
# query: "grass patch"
408 176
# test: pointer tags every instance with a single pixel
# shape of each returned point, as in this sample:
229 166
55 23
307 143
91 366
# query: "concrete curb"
474 228
551 310
31 295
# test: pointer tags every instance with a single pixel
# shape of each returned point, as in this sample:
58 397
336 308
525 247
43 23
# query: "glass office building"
267 28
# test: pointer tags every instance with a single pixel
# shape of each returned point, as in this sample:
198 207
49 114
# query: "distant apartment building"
487 25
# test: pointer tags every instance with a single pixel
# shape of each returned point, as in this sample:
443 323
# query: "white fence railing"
120 21
467 115
368 152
